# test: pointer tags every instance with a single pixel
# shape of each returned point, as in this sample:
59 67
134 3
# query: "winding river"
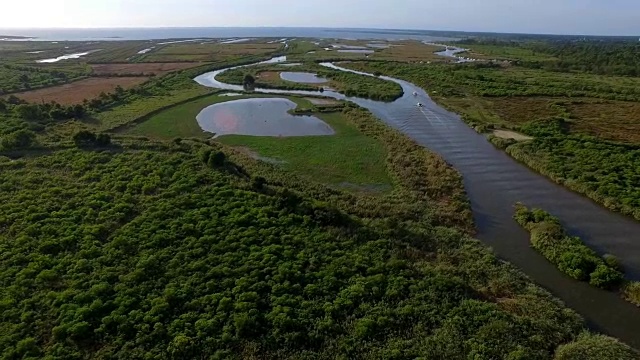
494 183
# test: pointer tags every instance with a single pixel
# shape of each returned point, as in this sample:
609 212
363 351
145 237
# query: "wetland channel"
494 183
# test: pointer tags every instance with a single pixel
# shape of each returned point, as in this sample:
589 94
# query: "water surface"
357 51
302 77
65 57
259 117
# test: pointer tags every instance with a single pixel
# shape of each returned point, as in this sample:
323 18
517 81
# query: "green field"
348 157
178 121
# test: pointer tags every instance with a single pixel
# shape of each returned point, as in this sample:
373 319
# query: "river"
494 183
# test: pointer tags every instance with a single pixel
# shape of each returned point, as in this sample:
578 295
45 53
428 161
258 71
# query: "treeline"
492 80
604 57
363 86
16 78
571 255
606 172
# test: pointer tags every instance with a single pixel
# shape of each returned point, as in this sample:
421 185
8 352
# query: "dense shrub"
153 255
87 138
595 347
568 253
18 140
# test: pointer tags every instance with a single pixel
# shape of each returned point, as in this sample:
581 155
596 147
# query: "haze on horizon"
588 17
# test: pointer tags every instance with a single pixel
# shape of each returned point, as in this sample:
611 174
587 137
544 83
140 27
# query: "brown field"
208 52
140 68
610 120
76 92
409 51
518 110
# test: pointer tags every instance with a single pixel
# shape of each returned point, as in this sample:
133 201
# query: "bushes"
631 292
86 138
18 140
595 347
568 253
151 254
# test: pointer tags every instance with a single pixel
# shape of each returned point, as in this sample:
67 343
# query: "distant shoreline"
16 38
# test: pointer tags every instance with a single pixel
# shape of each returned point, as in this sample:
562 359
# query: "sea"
115 34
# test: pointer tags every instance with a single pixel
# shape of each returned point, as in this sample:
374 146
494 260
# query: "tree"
84 138
30 112
18 140
258 182
605 277
103 140
217 159
249 82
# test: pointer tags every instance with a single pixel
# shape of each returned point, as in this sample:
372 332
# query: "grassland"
348 158
139 69
189 52
404 51
321 158
78 91
177 121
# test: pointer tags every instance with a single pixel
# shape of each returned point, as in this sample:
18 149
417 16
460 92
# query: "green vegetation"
595 347
348 158
568 253
16 78
268 76
631 292
176 121
121 247
598 57
194 52
571 137
156 255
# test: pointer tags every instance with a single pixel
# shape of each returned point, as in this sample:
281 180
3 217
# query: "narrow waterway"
495 182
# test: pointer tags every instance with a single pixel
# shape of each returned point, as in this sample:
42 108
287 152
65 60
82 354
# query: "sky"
589 17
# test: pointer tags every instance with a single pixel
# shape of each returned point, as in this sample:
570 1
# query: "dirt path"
507 134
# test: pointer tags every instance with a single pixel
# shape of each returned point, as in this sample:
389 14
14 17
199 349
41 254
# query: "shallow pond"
357 51
302 77
144 51
349 47
65 57
236 41
291 64
260 117
379 46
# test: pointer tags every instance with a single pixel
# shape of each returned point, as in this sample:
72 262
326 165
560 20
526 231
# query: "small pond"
259 117
357 51
379 46
291 64
65 57
349 47
302 77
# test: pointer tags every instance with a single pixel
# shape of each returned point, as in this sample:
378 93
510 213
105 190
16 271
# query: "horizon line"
310 27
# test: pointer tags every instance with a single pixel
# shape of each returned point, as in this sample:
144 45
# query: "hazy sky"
607 17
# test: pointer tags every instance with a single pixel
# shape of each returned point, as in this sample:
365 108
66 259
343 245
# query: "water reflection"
260 117
302 77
